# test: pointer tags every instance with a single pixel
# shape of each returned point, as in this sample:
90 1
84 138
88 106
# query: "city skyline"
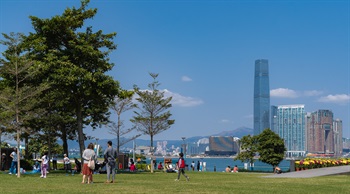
204 52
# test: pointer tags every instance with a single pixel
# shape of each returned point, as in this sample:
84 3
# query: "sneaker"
188 178
44 177
176 179
10 173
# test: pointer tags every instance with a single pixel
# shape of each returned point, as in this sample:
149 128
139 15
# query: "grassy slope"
201 182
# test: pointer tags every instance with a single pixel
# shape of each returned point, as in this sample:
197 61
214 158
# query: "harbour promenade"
313 172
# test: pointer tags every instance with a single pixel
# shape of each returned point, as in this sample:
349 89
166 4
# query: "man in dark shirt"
3 161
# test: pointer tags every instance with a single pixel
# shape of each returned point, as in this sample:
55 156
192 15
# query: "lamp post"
184 146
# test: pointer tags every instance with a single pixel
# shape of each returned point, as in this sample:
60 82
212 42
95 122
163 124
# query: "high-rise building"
320 135
338 137
288 121
261 96
222 145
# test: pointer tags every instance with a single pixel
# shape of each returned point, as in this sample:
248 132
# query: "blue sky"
204 52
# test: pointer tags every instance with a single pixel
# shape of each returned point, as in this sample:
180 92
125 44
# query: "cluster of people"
229 169
89 155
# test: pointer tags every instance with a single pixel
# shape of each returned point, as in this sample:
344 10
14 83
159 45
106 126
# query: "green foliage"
268 144
249 149
122 103
40 145
153 116
271 147
74 60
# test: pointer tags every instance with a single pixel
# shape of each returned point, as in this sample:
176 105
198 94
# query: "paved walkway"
313 172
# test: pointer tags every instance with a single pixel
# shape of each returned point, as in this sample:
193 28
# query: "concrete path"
313 172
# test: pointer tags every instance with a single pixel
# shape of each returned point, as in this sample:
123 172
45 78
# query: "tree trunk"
64 140
80 132
18 153
118 133
152 162
49 153
27 154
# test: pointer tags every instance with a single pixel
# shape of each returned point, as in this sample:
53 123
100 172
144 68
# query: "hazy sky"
204 52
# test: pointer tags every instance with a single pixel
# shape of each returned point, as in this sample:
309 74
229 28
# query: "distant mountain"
239 132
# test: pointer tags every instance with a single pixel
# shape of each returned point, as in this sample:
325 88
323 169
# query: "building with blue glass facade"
288 121
261 96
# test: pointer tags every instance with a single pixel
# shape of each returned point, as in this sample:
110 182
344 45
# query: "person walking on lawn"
181 166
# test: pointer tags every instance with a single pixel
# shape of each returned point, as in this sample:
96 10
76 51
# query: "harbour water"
219 164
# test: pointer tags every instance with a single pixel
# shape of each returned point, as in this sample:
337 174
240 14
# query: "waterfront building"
261 96
222 145
320 135
288 121
338 137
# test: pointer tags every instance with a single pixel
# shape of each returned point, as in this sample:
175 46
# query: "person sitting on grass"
132 167
278 170
228 169
235 169
160 166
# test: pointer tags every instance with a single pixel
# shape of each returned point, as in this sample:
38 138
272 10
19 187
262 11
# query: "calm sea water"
221 163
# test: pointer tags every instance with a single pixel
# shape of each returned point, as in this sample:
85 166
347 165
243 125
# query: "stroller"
99 167
78 165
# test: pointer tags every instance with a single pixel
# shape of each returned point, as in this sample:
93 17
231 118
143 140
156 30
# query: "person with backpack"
181 166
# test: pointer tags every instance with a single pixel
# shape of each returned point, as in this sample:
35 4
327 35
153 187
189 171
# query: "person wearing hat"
3 161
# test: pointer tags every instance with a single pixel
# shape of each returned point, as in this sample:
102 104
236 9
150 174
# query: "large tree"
122 103
18 95
74 59
249 147
153 116
271 147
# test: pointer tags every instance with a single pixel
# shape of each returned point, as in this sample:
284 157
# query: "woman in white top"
88 154
44 163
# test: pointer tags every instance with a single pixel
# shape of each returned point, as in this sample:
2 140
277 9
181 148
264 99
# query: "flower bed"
310 163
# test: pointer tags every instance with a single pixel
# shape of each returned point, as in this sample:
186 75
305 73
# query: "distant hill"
239 132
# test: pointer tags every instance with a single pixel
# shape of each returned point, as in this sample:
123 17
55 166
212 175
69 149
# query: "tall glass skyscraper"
261 96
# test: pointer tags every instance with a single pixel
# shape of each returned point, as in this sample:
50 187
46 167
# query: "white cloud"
178 99
184 101
186 78
313 93
338 98
283 93
225 121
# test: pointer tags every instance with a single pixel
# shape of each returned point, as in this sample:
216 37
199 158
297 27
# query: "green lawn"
200 182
